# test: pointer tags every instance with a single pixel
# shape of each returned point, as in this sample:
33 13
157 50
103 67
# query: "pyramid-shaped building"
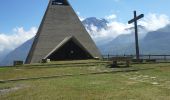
61 36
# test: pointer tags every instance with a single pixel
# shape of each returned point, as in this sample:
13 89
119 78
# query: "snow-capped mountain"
93 21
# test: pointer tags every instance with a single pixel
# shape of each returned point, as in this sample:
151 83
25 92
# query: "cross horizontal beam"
135 19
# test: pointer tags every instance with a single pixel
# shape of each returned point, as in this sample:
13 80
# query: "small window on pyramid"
59 2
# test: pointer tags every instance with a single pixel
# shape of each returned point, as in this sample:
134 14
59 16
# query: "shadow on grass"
73 75
59 66
65 64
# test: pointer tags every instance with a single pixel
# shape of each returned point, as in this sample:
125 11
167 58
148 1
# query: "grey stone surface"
59 22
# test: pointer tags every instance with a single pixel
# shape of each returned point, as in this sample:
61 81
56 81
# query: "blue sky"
28 13
123 8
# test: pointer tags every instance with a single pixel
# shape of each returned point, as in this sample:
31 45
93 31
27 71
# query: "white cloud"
78 13
19 36
154 22
114 29
111 17
80 17
104 35
151 22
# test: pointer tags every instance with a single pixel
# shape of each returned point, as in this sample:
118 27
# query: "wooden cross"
134 20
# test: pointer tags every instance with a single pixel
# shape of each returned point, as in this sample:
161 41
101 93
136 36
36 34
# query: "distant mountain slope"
120 45
3 54
156 42
117 45
19 53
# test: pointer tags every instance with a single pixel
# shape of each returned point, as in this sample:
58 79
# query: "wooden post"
108 57
165 57
136 37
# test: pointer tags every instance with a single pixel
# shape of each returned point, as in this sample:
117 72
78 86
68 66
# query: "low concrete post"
17 63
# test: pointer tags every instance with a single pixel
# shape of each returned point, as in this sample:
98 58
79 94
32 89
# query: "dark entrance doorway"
71 50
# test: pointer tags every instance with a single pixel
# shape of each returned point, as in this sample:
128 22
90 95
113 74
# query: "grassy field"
85 80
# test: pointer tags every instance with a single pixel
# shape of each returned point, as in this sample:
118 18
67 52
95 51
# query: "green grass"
149 84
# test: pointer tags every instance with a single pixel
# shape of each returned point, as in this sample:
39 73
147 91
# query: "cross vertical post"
136 18
136 37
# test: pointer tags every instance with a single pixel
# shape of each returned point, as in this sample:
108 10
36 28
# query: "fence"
145 57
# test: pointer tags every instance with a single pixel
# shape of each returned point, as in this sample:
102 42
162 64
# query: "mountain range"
155 42
99 23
